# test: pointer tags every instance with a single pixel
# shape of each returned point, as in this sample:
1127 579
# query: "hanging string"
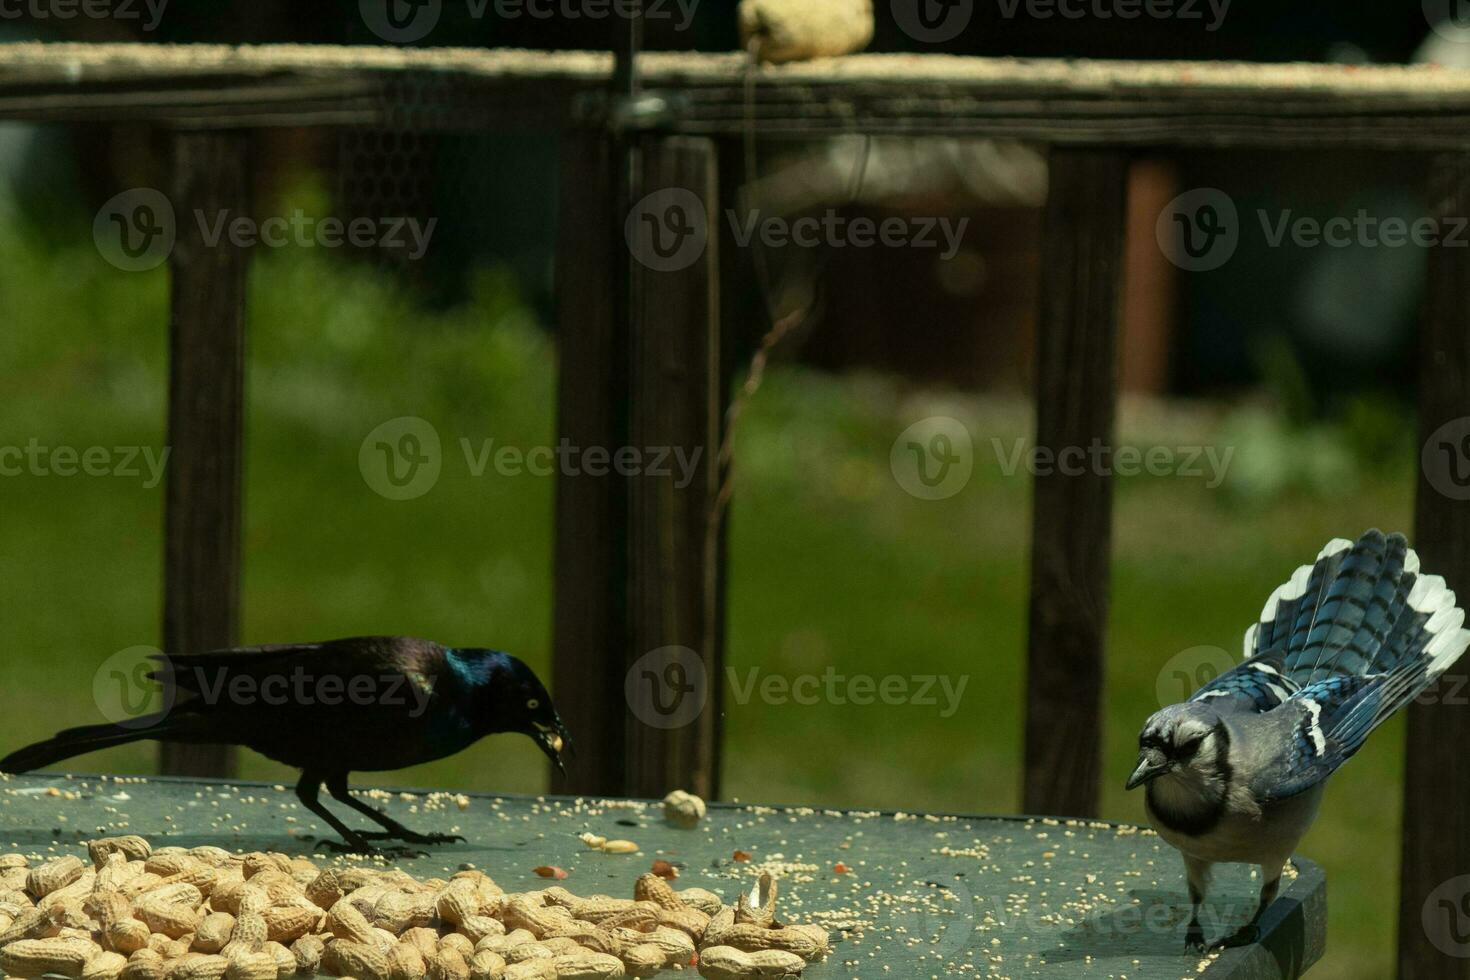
781 328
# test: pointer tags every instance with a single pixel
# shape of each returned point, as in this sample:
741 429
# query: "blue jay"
1235 774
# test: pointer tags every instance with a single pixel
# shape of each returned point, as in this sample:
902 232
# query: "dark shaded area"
1348 313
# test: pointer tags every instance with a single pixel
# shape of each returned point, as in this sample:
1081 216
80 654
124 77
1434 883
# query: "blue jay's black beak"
1151 763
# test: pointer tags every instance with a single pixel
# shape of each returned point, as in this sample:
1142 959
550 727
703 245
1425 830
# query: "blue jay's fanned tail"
1288 614
1361 609
1344 643
1345 632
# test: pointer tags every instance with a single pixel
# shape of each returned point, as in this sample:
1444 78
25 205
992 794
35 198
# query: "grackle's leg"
337 786
307 789
1251 931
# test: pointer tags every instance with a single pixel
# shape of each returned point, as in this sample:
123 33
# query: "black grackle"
367 703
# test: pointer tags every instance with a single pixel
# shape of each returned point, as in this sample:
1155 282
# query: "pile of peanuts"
206 914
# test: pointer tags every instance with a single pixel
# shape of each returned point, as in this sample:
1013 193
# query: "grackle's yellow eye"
533 704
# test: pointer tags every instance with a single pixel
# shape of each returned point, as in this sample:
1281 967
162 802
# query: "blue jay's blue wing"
1263 681
1316 741
1259 684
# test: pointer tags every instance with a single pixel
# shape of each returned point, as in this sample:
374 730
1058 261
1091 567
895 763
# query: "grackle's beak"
553 740
566 739
1151 764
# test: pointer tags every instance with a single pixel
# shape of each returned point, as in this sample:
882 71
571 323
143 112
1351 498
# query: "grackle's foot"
409 837
1194 940
1244 936
369 850
358 846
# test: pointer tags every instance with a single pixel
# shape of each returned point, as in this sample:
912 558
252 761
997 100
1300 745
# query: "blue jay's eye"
533 704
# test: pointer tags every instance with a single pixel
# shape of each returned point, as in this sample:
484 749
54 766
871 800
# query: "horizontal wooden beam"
1083 103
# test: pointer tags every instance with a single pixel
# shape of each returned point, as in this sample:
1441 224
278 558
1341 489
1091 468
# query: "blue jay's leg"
1251 932
1198 873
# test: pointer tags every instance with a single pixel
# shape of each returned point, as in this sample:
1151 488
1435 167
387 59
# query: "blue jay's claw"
1246 935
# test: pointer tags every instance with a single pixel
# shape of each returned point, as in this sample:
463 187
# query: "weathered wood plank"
1433 942
1076 396
206 419
676 574
1205 104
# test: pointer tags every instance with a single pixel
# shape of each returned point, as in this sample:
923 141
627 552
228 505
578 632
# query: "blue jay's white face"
1181 737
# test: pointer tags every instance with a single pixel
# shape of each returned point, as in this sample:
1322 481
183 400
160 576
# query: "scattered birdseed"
937 897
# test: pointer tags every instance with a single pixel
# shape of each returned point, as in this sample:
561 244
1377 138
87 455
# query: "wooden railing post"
1076 396
639 572
1435 872
590 629
676 569
205 418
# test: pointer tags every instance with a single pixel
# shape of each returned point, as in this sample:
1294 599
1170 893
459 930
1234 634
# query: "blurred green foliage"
832 563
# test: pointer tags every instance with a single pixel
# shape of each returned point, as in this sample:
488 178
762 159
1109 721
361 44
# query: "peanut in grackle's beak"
553 740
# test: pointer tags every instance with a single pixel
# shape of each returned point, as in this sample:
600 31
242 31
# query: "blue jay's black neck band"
1222 758
1202 814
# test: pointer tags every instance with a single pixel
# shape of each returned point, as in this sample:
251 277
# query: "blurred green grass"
832 563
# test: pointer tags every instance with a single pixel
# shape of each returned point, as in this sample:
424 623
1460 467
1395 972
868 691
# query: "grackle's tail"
88 738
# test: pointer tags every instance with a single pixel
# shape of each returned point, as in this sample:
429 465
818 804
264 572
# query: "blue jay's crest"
1342 645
